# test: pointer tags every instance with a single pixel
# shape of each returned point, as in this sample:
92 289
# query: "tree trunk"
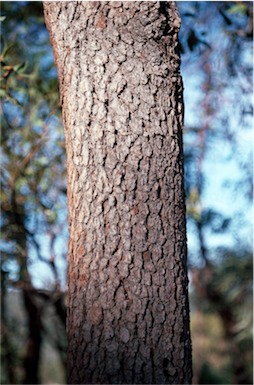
18 234
121 92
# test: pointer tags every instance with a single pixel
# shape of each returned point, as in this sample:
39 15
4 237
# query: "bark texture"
121 93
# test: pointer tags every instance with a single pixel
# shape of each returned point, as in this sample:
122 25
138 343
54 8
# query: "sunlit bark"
121 93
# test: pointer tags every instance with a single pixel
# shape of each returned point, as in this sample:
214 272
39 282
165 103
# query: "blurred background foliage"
216 43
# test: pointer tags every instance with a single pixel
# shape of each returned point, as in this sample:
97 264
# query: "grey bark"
121 93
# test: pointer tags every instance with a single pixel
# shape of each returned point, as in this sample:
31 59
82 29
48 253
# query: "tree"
221 273
211 33
121 94
28 199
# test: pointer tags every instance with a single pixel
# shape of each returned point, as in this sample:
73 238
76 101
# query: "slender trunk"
121 92
33 345
8 359
34 326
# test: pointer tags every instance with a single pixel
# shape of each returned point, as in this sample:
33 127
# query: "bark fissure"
121 90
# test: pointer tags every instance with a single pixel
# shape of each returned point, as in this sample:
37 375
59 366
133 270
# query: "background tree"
121 91
221 129
31 159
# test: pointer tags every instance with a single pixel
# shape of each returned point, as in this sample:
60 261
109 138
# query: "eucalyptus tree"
121 93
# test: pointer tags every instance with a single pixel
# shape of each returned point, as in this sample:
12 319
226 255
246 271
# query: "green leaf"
21 182
6 50
51 215
238 8
2 18
20 67
2 93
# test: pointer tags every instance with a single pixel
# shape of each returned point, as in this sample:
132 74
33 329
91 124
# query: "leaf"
6 50
51 215
2 93
238 8
20 182
2 18
19 68
7 68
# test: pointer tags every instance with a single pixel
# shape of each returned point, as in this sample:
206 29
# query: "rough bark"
121 93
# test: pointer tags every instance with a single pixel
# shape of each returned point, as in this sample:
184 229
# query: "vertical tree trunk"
34 326
121 93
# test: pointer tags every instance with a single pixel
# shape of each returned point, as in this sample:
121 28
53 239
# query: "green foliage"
33 208
31 133
210 375
239 8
